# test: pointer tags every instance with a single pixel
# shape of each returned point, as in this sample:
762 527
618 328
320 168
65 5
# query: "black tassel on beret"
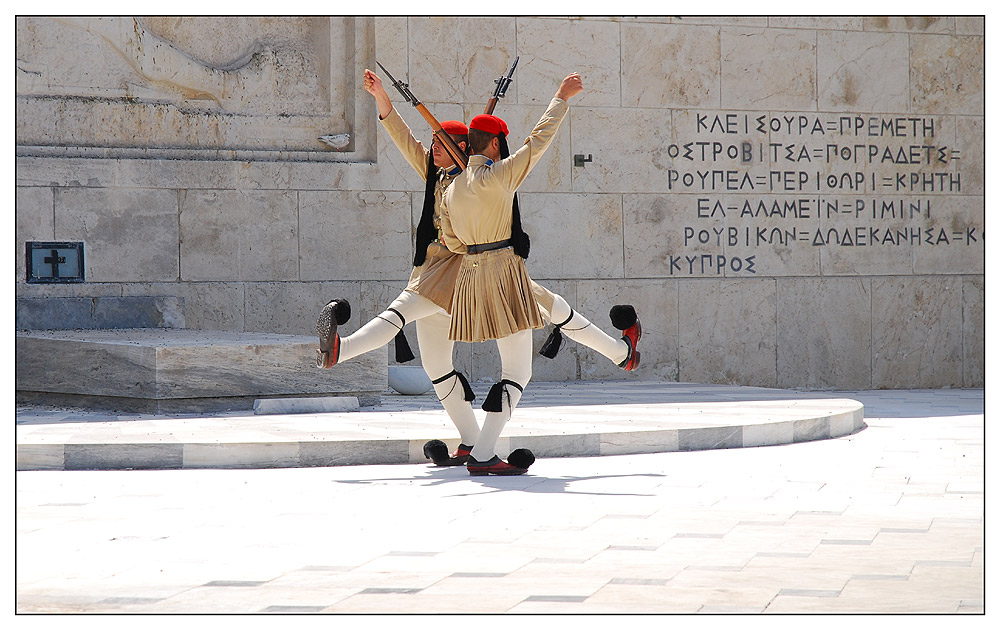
403 351
522 458
623 316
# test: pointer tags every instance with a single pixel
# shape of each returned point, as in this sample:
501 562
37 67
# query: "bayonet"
404 88
460 158
502 84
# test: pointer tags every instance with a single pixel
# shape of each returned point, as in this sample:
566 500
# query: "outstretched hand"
570 87
373 84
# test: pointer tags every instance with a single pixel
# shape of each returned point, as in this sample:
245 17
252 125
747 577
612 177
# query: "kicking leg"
623 352
378 332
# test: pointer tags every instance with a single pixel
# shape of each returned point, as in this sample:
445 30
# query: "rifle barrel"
446 140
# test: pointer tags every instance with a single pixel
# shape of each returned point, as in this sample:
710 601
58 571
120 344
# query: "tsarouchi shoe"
519 460
334 313
624 318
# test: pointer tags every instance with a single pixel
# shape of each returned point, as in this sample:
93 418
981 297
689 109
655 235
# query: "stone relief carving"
261 84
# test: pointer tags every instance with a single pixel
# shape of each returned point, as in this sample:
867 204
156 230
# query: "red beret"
455 127
489 124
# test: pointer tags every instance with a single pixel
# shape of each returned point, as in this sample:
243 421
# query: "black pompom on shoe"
437 452
623 316
342 311
522 458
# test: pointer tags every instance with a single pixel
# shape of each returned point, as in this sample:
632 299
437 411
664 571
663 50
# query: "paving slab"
819 527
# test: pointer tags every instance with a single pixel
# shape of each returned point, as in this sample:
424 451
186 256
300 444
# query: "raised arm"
515 168
373 85
411 148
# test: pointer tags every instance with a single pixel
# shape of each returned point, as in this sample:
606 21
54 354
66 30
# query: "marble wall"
789 202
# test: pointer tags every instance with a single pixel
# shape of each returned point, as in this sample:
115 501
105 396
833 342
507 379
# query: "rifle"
460 158
502 83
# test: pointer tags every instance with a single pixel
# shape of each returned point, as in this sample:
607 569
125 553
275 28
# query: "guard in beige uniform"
427 296
493 296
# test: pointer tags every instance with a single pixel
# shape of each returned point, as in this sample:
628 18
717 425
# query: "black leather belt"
485 247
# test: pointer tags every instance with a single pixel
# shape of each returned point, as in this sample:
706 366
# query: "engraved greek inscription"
770 187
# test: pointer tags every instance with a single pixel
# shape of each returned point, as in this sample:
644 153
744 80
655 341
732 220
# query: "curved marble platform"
553 420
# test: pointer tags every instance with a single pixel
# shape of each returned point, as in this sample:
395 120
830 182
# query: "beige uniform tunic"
435 279
493 293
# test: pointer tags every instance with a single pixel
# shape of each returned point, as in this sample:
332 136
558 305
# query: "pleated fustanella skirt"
493 297
435 279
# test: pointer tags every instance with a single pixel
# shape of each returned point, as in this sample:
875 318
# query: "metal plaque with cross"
54 262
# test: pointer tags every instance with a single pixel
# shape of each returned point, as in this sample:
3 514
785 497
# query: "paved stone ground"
887 520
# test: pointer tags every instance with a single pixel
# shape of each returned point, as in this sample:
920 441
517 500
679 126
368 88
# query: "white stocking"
515 361
582 331
436 356
381 330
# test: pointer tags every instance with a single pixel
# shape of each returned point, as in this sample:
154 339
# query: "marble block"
952 237
910 24
100 312
727 331
969 134
457 59
852 73
824 333
670 65
656 304
239 235
130 235
629 148
782 59
973 331
175 364
948 74
326 404
916 332
848 245
837 23
34 220
354 235
574 236
590 47
207 305
291 308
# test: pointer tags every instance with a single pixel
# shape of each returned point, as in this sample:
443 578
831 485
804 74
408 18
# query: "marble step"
565 419
166 369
